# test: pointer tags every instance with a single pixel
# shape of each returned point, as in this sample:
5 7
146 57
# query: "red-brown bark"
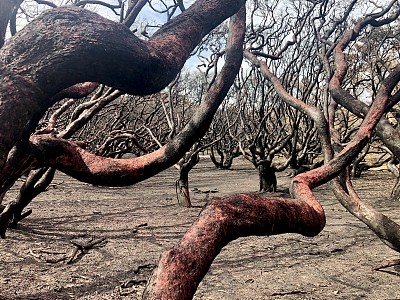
75 161
76 91
182 268
69 45
384 227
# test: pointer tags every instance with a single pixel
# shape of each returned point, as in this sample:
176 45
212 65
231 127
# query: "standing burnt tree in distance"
76 46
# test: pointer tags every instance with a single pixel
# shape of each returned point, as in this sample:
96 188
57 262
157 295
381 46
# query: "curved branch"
48 3
182 268
384 227
133 12
76 91
71 159
76 39
76 45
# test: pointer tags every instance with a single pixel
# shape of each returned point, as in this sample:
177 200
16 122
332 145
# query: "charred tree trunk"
182 190
227 164
225 159
395 194
267 175
182 183
220 162
392 166
36 183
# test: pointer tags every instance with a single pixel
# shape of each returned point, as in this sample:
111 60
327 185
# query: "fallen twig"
88 245
146 266
47 259
129 283
198 191
129 286
84 248
386 264
70 256
288 293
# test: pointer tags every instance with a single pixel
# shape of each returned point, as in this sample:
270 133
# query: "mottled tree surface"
76 45
335 264
65 47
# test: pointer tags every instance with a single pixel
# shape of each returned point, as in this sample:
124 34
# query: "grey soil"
141 221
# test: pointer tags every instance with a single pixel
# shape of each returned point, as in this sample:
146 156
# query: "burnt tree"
67 52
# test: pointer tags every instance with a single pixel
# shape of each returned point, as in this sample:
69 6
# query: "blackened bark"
267 175
36 183
183 181
7 8
69 45
225 158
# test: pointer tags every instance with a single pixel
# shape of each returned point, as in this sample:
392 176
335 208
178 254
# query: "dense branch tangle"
68 49
89 38
380 102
